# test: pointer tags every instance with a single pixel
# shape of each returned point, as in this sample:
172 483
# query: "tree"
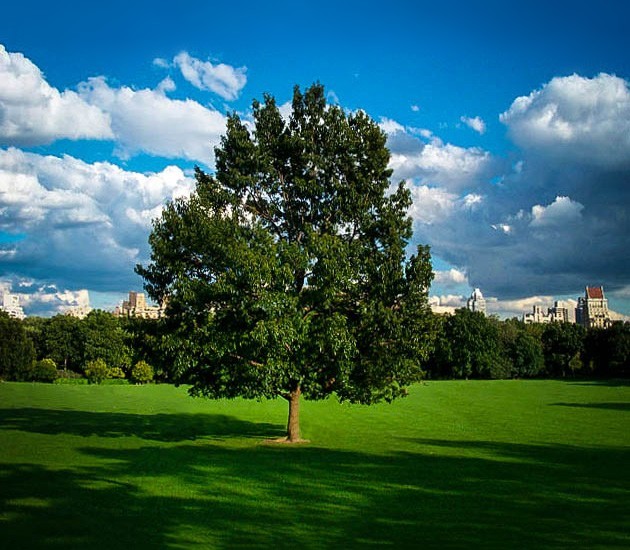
105 339
522 348
607 350
469 347
16 350
63 341
286 272
563 344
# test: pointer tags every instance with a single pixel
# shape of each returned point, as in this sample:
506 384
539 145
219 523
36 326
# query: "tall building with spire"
477 302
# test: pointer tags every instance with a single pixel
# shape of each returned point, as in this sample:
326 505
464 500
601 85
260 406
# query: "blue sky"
510 122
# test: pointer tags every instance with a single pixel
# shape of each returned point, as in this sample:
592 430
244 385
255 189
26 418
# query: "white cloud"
390 126
415 108
148 121
161 62
431 205
46 299
550 222
33 113
476 123
224 80
437 164
560 212
586 120
167 85
504 227
450 277
452 300
84 224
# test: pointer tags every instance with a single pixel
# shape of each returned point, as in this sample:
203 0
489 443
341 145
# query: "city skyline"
510 124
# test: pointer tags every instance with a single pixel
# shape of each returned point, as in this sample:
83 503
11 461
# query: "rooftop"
595 292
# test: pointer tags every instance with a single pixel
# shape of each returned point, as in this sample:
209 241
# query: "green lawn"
501 464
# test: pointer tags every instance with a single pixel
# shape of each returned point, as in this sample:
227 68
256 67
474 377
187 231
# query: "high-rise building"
477 302
137 306
558 313
11 304
592 309
537 316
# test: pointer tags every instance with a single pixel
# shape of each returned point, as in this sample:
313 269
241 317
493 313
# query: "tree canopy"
286 272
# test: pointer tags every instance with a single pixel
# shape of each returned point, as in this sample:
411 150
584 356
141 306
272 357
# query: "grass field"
500 464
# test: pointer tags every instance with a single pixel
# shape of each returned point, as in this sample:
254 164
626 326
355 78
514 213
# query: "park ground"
457 464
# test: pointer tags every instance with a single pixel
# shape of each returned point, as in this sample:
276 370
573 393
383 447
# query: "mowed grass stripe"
456 464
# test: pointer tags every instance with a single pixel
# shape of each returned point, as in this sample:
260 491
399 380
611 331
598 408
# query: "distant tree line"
465 345
98 347
470 345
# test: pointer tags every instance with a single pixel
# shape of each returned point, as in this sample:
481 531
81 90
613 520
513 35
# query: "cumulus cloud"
582 120
139 121
560 212
554 219
34 113
82 222
434 162
148 121
45 299
431 205
224 80
475 123
450 277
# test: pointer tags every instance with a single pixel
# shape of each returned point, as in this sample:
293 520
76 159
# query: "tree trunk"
293 425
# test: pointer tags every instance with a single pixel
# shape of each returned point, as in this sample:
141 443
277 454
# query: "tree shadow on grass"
155 427
609 406
439 493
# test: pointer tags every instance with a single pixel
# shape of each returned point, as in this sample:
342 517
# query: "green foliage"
141 373
34 327
17 352
469 347
607 351
62 339
148 341
562 345
70 377
105 339
116 372
522 348
287 271
45 370
96 371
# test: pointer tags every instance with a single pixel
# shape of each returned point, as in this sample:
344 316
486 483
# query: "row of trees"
471 345
98 347
465 345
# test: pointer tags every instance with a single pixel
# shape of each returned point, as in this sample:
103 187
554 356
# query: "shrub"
141 373
65 374
96 371
116 372
45 371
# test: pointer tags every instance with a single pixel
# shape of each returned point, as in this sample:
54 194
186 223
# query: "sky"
509 121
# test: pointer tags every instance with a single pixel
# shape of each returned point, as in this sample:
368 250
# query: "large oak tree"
287 272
